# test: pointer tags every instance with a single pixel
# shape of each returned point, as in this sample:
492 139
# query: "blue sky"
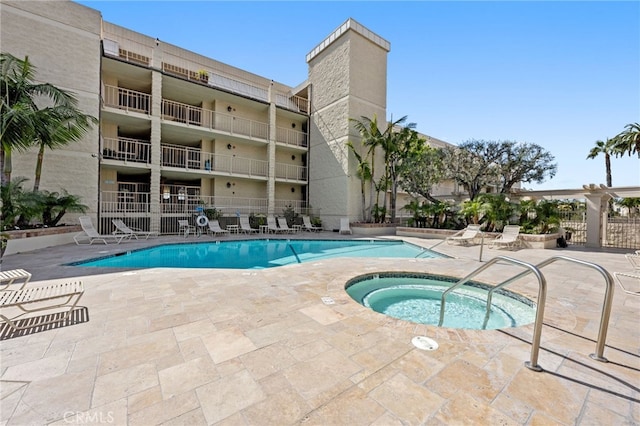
558 74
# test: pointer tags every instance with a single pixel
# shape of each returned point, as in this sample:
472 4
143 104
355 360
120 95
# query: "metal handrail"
606 306
532 364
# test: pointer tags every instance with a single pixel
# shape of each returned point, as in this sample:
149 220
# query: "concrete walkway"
259 347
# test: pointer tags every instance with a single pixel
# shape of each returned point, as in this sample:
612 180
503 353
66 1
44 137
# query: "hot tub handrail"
532 364
598 355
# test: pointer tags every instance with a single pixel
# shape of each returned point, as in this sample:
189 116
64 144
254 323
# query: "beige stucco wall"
348 77
65 49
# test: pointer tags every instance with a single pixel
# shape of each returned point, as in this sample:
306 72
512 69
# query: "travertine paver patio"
259 347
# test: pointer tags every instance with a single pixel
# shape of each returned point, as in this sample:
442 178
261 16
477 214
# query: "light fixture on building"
229 108
293 157
293 189
228 146
293 125
228 184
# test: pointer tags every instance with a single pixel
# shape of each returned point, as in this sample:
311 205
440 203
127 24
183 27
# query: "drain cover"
424 343
328 300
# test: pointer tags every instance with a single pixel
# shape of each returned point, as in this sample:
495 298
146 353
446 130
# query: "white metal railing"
182 113
126 99
125 201
291 172
291 137
189 114
292 102
189 158
297 205
126 149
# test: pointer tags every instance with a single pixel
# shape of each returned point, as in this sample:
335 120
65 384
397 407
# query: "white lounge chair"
123 229
344 226
308 226
29 300
245 226
626 278
7 278
508 238
185 228
215 229
90 234
470 233
272 226
284 227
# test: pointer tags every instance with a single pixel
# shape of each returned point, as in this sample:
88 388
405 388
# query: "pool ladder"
532 364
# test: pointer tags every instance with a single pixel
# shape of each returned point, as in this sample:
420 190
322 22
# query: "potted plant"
203 75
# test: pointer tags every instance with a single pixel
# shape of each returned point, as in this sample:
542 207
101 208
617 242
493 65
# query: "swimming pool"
256 254
417 298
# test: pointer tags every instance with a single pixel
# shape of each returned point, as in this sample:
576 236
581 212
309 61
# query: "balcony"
290 172
193 159
192 115
293 102
125 99
291 137
127 150
130 198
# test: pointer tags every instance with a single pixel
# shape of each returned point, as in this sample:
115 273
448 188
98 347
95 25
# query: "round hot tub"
417 298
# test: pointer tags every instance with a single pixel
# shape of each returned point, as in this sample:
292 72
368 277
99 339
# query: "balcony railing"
189 114
291 172
291 137
292 102
189 158
126 149
126 99
125 201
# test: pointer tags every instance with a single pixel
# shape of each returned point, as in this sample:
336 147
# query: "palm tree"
628 141
371 138
24 123
606 148
59 126
363 172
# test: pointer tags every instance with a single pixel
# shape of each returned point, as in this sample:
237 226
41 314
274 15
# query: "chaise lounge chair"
215 229
284 227
185 228
470 233
7 278
29 300
245 226
90 234
308 226
508 238
344 226
628 277
272 226
123 229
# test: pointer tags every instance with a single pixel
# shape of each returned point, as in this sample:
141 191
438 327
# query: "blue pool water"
417 298
256 254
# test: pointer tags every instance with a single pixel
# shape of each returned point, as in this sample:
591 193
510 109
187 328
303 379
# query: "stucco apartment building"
180 131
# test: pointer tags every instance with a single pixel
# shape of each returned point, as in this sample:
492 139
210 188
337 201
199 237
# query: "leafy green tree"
473 211
628 141
607 149
421 171
632 204
55 205
401 143
371 138
363 172
473 164
34 113
498 211
523 163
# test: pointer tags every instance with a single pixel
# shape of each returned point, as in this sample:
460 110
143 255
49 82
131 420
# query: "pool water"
256 254
417 298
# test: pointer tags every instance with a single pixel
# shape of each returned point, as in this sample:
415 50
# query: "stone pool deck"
260 347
